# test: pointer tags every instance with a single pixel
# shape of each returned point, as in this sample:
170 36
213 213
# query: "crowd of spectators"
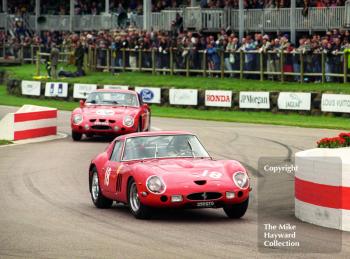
188 48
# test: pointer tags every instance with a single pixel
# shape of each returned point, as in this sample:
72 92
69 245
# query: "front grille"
200 182
92 120
101 127
202 196
102 120
111 121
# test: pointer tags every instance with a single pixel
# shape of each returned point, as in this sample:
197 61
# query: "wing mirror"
81 103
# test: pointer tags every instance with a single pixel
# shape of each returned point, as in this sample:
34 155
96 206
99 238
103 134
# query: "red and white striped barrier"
30 121
322 187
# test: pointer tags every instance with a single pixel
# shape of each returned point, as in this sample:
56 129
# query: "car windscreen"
163 146
112 98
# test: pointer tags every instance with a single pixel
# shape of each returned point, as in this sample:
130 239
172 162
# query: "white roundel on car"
104 112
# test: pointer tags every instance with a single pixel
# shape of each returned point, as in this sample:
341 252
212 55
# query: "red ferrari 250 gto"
166 169
112 112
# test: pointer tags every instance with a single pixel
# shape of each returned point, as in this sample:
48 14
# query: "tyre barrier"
322 187
29 121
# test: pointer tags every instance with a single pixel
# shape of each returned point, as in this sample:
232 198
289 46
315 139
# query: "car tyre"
139 210
236 211
76 136
97 197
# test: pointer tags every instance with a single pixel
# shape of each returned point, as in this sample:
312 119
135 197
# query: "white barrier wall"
30 121
322 187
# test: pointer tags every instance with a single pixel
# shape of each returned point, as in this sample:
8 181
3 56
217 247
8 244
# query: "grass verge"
179 81
5 142
291 119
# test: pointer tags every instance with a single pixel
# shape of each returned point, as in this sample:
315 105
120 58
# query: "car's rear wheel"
76 136
236 211
139 210
97 197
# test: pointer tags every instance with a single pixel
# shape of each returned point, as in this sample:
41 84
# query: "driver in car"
180 147
130 100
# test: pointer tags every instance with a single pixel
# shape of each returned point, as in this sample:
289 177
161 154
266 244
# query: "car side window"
116 151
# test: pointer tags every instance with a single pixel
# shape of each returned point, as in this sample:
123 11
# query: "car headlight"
128 121
155 184
77 118
241 179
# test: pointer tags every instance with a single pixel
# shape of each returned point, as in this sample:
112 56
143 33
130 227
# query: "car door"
113 168
145 113
146 117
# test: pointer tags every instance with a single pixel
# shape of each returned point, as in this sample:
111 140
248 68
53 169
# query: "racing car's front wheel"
76 136
97 197
139 210
236 211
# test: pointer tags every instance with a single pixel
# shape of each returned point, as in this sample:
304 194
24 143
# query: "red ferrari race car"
110 112
166 169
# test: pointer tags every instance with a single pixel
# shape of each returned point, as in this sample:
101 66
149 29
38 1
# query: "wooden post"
323 67
85 61
108 59
123 59
153 62
31 53
346 66
37 63
241 64
187 65
89 58
95 58
204 64
281 65
140 60
22 55
171 61
301 68
222 64
261 56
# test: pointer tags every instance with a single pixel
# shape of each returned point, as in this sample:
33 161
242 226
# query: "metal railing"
268 19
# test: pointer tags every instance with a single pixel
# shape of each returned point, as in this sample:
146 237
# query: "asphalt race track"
46 210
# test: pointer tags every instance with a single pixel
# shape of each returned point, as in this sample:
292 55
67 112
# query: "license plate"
101 123
205 204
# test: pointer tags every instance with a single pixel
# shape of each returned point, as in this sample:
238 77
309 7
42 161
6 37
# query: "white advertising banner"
294 101
254 100
81 91
183 96
218 98
31 88
335 103
56 89
124 87
149 94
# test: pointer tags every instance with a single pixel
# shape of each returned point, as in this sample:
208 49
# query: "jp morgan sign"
254 100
